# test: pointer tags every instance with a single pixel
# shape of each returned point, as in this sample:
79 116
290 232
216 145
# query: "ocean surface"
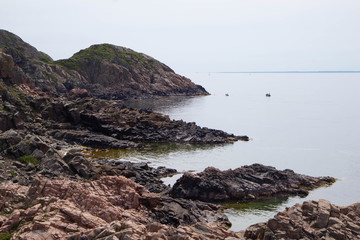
310 124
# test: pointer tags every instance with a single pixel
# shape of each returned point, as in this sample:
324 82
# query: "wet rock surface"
245 183
310 220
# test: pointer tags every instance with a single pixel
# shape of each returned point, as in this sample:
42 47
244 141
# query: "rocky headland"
50 111
102 71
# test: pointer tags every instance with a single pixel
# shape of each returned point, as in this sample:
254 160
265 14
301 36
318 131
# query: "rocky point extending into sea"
50 189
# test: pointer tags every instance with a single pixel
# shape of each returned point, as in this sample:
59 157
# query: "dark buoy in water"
268 95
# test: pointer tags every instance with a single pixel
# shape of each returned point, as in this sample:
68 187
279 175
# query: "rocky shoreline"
50 189
310 220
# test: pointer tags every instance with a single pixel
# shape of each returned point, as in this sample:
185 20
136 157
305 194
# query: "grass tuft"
29 159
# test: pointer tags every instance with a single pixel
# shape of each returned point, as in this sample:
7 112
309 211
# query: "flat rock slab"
244 183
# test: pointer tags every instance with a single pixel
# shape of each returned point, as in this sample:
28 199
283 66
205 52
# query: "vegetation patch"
29 159
95 52
5 236
45 58
108 53
69 63
18 95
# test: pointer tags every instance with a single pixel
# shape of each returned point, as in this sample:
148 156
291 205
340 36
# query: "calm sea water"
310 124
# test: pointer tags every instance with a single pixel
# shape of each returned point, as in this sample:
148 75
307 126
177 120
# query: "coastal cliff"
118 72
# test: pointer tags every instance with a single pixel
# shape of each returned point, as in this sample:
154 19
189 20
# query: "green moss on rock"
29 159
5 236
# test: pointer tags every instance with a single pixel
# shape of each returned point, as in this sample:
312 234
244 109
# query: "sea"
310 124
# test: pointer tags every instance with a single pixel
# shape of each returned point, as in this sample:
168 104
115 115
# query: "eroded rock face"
112 207
245 183
310 220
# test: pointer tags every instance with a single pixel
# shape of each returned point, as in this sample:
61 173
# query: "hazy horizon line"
306 71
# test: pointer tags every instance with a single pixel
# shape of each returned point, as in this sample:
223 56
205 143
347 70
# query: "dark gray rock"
245 183
94 140
140 173
119 122
6 65
175 212
79 164
9 138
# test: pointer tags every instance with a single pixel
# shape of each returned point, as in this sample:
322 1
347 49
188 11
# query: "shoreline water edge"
53 114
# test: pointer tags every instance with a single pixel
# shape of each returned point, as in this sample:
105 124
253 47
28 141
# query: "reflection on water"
269 204
151 151
244 214
161 105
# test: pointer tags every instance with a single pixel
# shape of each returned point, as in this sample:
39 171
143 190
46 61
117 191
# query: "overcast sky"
198 35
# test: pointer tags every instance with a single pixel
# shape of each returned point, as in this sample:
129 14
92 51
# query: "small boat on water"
268 95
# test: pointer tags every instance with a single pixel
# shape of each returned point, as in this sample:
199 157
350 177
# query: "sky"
198 35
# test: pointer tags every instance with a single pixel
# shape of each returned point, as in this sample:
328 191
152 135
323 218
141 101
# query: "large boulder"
245 183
